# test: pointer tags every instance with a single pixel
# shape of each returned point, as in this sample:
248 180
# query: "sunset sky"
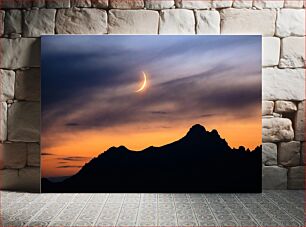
89 101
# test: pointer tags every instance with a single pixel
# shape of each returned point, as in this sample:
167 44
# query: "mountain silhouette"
201 161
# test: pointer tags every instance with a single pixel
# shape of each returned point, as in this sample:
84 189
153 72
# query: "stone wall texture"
281 22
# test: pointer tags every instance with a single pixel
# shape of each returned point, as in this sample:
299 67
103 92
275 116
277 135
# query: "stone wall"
281 22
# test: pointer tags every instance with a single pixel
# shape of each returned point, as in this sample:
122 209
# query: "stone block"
262 4
303 161
267 107
290 22
191 4
15 4
80 3
285 106
81 21
2 15
159 4
3 121
13 21
28 84
283 84
126 4
20 53
24 180
7 81
289 153
56 4
242 4
248 21
13 155
269 154
274 177
177 21
99 3
139 22
33 154
39 3
277 129
39 22
299 122
296 177
221 3
293 52
208 22
270 51
24 122
293 4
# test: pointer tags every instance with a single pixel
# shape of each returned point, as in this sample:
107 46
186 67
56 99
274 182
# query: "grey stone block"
13 21
269 154
274 177
39 22
27 86
289 153
24 122
296 176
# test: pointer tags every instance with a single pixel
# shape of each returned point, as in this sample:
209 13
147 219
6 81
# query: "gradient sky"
89 101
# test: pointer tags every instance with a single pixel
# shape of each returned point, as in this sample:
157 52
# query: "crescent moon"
144 83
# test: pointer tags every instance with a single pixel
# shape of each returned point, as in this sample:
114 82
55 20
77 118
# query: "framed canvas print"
144 113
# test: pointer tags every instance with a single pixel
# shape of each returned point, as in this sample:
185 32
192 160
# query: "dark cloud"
72 124
46 154
74 158
159 112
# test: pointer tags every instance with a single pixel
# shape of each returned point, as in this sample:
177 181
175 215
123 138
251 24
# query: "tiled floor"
271 208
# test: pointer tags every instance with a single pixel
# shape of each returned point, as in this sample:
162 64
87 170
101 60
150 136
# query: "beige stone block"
159 4
177 21
277 129
285 106
81 21
208 22
283 84
270 51
262 4
242 4
192 4
293 4
293 52
139 22
267 107
290 22
248 21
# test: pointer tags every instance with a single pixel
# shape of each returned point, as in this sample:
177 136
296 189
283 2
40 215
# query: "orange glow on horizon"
91 143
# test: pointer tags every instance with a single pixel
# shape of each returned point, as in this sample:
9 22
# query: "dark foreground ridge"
199 162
